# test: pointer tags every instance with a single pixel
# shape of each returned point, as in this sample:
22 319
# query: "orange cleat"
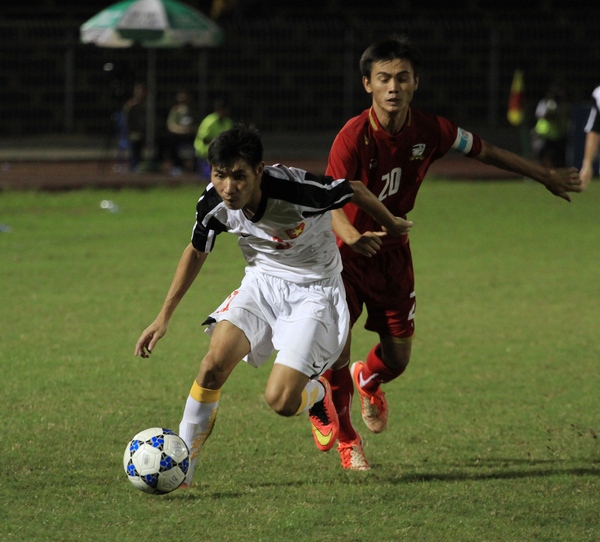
352 455
373 407
324 420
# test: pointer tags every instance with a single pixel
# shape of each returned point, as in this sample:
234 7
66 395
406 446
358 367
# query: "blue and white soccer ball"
156 461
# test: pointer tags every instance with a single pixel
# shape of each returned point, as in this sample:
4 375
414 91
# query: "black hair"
241 142
391 48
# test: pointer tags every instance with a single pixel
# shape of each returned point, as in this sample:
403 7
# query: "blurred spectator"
181 128
134 113
213 124
222 8
549 136
592 140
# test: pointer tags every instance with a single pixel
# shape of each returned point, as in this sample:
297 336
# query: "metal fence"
292 75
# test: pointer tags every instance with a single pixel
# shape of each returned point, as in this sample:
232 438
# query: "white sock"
312 393
195 427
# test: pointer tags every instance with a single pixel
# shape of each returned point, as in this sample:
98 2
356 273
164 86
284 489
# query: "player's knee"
280 402
212 374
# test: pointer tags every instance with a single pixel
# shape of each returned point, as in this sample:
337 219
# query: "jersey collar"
376 125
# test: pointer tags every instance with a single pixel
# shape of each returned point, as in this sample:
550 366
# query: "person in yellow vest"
213 124
550 134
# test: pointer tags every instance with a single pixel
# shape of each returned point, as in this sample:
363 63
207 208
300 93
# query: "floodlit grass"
493 431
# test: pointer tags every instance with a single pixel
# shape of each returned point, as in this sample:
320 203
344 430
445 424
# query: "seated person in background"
182 124
134 113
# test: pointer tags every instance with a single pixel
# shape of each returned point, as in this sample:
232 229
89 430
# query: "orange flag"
515 101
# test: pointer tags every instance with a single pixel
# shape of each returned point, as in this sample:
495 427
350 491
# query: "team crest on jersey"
418 151
373 163
296 232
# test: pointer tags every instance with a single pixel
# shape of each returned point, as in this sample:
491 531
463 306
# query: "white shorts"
307 324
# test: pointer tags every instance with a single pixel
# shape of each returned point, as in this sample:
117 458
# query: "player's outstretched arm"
367 243
559 181
367 201
189 266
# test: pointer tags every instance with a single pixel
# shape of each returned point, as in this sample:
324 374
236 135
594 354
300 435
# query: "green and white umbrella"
151 24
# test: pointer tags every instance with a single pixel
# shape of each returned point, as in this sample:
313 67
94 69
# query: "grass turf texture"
493 429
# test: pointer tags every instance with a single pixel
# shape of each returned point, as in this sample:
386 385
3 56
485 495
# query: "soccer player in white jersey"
291 299
390 147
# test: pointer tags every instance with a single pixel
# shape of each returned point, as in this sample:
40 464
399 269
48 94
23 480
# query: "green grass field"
493 430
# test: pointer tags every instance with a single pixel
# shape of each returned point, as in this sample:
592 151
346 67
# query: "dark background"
292 66
222 9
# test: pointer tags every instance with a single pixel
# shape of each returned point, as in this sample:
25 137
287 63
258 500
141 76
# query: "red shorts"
385 285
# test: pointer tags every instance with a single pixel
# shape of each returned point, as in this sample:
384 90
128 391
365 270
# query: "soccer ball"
156 461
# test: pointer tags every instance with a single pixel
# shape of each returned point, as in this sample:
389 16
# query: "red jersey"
393 166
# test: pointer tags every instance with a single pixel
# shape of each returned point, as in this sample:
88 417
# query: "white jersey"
290 236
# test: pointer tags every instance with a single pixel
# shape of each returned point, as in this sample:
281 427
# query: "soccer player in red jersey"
389 147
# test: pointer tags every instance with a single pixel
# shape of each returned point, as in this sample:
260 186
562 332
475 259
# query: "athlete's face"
392 85
238 185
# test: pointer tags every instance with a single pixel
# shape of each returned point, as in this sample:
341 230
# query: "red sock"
342 390
375 366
